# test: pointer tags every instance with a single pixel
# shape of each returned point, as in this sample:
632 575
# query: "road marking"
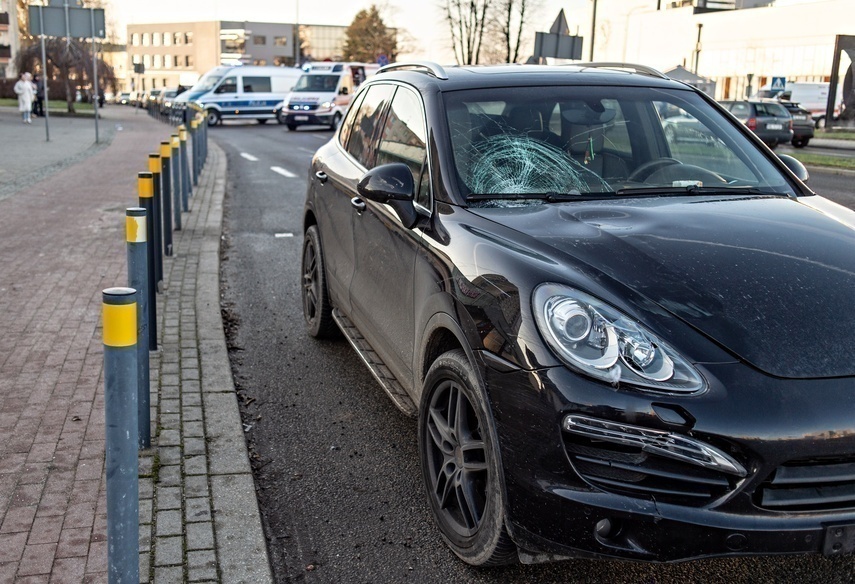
283 172
301 149
283 235
249 157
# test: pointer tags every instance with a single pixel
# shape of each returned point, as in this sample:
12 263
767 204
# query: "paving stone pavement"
61 243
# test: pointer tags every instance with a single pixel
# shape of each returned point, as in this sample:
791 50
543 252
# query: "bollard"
136 232
157 218
177 196
185 166
146 191
194 134
119 315
166 191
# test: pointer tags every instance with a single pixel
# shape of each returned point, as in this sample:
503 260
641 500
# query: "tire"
281 117
292 127
800 142
262 121
772 145
820 123
213 117
464 493
336 119
317 309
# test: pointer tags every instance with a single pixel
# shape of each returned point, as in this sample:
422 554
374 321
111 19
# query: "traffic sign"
779 83
382 60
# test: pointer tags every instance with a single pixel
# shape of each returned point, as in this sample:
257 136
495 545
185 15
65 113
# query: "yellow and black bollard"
146 193
119 315
177 195
166 192
186 184
136 230
157 217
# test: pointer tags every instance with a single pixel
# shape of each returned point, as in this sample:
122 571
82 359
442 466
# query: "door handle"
321 176
357 204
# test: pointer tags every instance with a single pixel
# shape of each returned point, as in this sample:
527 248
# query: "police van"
322 95
242 92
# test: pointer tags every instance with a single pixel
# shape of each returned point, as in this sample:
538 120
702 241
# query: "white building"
780 38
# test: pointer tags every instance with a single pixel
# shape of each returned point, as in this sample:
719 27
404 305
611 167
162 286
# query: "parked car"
767 118
124 98
803 124
167 98
614 345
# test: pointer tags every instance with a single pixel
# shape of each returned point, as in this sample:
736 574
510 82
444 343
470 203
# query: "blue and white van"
242 92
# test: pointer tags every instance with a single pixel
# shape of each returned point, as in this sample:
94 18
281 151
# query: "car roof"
427 75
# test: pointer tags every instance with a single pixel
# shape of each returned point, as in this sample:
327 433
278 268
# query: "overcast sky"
422 19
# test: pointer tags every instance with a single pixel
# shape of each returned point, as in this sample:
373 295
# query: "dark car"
615 344
803 124
767 118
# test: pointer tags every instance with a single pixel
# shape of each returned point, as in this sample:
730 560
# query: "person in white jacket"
25 91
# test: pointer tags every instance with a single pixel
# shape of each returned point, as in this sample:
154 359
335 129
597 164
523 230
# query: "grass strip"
809 159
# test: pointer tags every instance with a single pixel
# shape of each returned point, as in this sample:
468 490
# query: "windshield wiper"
698 190
549 197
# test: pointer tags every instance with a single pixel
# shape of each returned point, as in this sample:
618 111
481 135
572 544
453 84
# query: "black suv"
618 340
802 124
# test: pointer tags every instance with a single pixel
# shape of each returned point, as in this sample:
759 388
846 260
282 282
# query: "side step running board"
378 369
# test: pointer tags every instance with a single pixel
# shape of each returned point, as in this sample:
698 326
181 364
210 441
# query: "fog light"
605 529
659 442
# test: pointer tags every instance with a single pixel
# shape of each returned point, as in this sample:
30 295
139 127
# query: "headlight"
598 340
328 105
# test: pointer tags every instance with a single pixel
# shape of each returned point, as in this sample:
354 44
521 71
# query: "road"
336 463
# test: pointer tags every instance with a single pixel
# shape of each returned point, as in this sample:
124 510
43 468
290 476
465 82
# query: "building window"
146 61
188 60
188 38
146 39
167 61
259 39
281 61
280 41
259 62
135 39
176 38
167 39
135 59
157 62
155 39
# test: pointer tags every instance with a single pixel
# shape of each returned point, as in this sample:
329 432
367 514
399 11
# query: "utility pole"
698 48
593 29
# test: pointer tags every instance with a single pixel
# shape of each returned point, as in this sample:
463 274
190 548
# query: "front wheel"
281 117
292 127
317 310
460 464
262 120
213 117
336 119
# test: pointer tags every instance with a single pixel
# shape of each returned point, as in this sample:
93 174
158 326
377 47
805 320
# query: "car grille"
304 107
631 471
810 486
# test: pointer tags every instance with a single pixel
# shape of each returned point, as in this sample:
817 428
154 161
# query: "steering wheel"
642 172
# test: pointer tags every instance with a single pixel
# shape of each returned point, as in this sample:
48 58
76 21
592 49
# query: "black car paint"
466 275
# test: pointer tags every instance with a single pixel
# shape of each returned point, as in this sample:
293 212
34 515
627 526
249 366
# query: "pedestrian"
25 90
39 104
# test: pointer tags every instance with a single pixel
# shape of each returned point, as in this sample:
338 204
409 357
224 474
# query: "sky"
422 19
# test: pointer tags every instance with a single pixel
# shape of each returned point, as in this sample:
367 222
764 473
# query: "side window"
364 127
256 84
740 109
404 139
229 85
347 124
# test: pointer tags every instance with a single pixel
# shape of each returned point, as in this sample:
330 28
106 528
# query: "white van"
323 93
242 92
811 96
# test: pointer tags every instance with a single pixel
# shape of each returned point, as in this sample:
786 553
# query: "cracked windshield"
552 141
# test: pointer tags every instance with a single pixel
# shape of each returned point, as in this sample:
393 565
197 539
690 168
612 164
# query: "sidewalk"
61 243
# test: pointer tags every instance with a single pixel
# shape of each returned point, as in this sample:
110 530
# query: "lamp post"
593 29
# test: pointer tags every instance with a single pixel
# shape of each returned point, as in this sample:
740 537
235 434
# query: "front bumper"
309 118
563 500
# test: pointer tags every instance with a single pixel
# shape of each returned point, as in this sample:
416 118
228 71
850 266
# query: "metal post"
204 141
177 186
44 73
94 72
119 314
186 189
166 192
157 242
593 30
146 192
136 229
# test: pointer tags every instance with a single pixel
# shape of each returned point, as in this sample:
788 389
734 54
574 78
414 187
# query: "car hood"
770 279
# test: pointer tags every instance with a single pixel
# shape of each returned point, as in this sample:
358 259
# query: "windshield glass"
313 82
206 83
583 140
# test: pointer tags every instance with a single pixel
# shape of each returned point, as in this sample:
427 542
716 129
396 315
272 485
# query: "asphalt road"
335 462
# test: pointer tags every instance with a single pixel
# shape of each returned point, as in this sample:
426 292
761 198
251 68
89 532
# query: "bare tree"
511 21
467 21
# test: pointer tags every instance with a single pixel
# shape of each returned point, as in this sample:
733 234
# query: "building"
179 53
744 44
9 39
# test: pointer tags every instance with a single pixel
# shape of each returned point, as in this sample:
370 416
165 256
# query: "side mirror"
796 167
342 91
391 184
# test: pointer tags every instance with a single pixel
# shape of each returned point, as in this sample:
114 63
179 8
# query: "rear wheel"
800 142
213 117
820 122
460 464
317 310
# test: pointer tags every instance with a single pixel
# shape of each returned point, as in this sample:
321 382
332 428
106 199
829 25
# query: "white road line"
283 172
283 235
249 157
301 149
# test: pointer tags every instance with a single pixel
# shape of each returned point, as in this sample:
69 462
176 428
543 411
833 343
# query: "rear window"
772 109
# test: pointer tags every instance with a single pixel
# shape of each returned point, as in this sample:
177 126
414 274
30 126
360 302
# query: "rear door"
257 96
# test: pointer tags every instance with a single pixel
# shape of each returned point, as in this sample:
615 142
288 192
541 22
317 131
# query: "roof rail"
428 66
642 69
